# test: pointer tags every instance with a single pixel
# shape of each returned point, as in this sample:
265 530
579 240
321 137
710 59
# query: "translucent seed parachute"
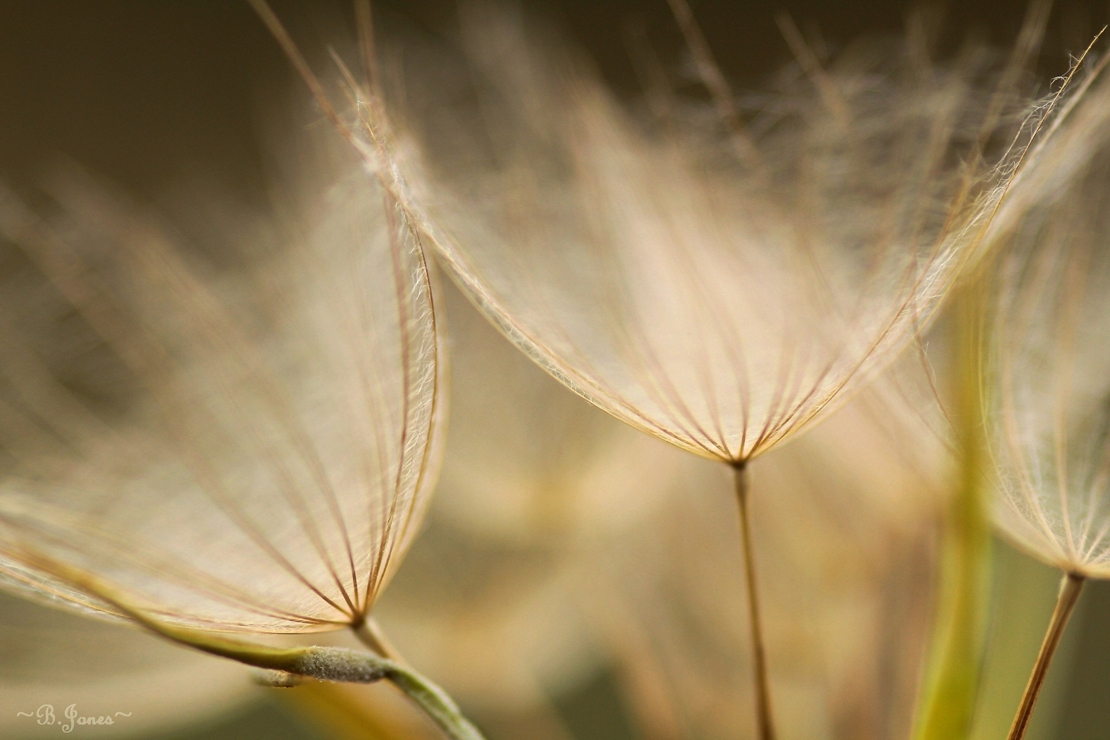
245 449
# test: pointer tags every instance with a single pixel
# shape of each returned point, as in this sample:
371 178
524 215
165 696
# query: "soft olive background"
153 93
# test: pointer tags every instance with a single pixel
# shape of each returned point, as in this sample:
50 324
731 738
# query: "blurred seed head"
1047 367
241 443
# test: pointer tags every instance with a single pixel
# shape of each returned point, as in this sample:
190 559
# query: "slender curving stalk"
764 720
1070 589
370 634
314 662
329 664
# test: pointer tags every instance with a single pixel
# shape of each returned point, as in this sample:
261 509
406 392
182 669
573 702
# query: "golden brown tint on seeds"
245 448
536 484
49 657
719 288
718 303
847 548
1047 365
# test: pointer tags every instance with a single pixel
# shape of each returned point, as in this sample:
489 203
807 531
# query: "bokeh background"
159 96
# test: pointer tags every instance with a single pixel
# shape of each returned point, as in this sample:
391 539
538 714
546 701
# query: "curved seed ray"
255 436
719 307
1047 372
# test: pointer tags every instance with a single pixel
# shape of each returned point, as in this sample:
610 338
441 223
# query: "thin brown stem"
764 722
370 634
1070 589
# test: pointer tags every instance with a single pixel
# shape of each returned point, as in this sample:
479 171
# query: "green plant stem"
1070 589
764 720
435 702
946 707
334 664
320 663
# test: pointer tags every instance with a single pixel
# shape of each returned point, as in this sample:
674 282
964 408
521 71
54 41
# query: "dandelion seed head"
253 447
1046 365
719 305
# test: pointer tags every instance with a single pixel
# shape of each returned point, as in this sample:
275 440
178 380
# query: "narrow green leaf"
946 708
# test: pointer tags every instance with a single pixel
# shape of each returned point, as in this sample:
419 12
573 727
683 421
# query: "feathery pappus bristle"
719 303
247 449
1047 363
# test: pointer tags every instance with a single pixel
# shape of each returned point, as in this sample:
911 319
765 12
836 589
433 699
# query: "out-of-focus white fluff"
1047 370
50 657
241 443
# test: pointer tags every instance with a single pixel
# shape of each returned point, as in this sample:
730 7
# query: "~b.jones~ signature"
70 717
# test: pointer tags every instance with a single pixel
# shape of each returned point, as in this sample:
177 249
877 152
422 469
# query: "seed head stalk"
1070 589
764 721
370 634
